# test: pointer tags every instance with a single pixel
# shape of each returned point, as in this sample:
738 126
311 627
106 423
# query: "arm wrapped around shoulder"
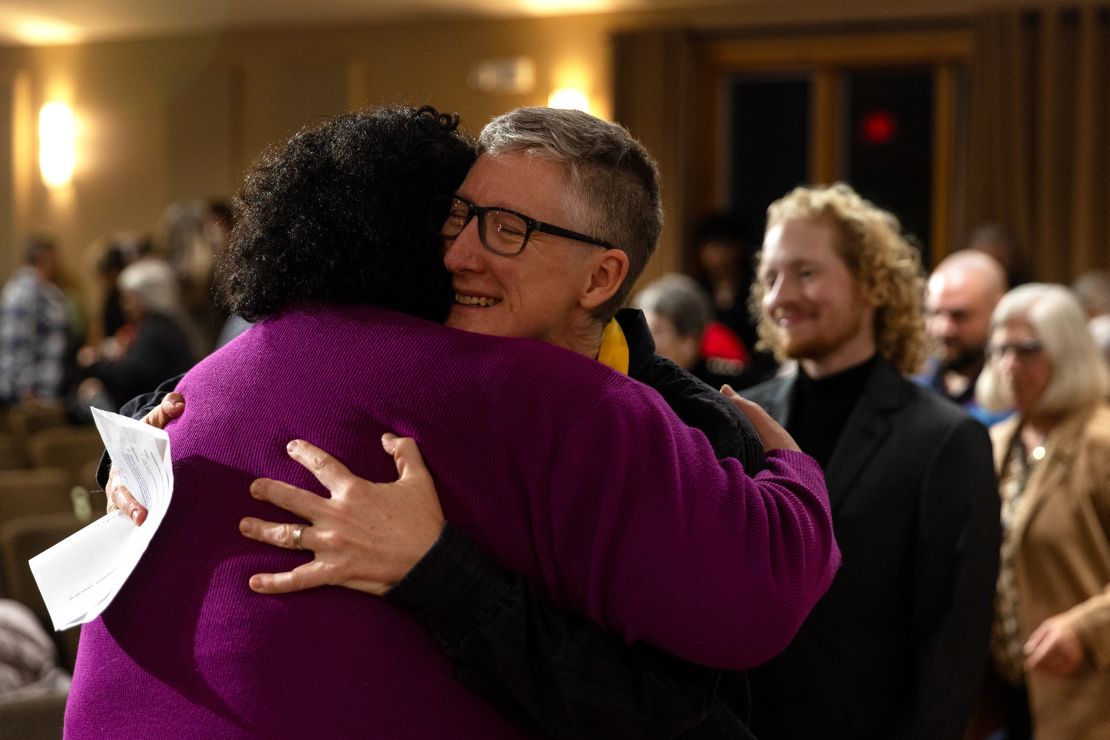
653 537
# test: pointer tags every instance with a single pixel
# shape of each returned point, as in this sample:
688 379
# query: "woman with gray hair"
677 311
683 327
1051 636
161 346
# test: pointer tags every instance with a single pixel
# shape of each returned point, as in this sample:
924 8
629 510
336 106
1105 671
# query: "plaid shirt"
34 334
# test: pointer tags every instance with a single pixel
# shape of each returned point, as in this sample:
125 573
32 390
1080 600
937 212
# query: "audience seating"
11 453
24 421
20 540
29 493
35 491
69 448
44 491
33 718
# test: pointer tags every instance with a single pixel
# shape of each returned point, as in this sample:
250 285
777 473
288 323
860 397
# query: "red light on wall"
878 127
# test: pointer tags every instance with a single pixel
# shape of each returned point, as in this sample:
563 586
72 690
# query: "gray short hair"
680 300
156 284
614 182
1079 374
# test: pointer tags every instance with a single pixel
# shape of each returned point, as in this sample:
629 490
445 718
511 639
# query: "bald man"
961 294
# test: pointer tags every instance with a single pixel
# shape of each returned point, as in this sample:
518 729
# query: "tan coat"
1062 565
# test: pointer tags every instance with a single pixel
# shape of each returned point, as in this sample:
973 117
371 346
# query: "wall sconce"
569 97
57 144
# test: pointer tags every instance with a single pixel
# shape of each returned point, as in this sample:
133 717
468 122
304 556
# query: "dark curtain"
651 99
1039 139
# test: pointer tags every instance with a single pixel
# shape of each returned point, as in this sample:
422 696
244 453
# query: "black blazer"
898 645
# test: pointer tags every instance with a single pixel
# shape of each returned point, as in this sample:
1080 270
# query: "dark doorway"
769 145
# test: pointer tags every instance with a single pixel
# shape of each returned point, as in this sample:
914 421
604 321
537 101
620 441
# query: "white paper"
79 576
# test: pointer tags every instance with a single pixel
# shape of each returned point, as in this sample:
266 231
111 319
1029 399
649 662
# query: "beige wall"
177 118
170 119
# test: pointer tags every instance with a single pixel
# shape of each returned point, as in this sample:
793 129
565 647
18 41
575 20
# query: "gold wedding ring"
298 531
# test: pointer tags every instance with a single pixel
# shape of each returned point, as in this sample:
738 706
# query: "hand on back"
773 436
366 537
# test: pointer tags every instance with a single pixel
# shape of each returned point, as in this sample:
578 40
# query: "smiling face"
538 293
819 311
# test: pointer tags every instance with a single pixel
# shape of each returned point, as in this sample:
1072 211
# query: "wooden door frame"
826 57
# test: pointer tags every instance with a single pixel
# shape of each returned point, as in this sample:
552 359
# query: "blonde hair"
1079 374
871 244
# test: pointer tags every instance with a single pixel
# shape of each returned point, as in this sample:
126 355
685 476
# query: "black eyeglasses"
1023 350
500 230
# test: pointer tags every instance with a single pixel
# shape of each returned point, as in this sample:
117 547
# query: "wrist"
452 588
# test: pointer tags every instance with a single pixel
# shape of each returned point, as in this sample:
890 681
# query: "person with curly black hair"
311 226
340 284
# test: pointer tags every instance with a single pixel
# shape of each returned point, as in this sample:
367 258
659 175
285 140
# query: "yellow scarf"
614 348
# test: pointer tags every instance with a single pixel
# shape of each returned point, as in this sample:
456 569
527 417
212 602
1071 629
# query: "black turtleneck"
820 407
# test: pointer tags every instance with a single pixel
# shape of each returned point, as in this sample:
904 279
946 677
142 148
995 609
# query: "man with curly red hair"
898 645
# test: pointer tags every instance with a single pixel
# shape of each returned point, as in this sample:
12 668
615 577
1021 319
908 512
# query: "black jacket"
160 348
898 645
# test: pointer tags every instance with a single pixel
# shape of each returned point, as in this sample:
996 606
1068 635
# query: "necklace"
1033 443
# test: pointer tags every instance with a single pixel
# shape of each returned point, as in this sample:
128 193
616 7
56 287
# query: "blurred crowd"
705 323
153 315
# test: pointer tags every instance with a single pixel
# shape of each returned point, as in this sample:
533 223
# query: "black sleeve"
706 409
954 581
136 408
556 673
561 673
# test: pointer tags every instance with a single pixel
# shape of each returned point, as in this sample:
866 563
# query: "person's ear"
607 274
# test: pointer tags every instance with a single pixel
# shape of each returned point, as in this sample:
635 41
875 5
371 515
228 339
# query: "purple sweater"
577 476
